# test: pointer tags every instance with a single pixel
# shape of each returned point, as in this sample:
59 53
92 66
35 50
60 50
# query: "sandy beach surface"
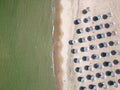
65 12
63 31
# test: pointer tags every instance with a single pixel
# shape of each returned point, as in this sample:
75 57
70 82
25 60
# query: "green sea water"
25 45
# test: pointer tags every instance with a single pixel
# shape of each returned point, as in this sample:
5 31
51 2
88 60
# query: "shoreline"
61 26
57 45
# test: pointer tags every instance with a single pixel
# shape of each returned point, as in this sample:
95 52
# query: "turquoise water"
25 45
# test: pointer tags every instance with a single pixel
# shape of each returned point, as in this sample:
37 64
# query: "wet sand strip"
57 45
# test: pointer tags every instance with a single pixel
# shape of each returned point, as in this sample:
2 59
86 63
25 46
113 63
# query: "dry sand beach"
62 33
65 12
60 58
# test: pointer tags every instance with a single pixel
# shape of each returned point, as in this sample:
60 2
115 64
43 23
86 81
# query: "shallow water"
25 45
